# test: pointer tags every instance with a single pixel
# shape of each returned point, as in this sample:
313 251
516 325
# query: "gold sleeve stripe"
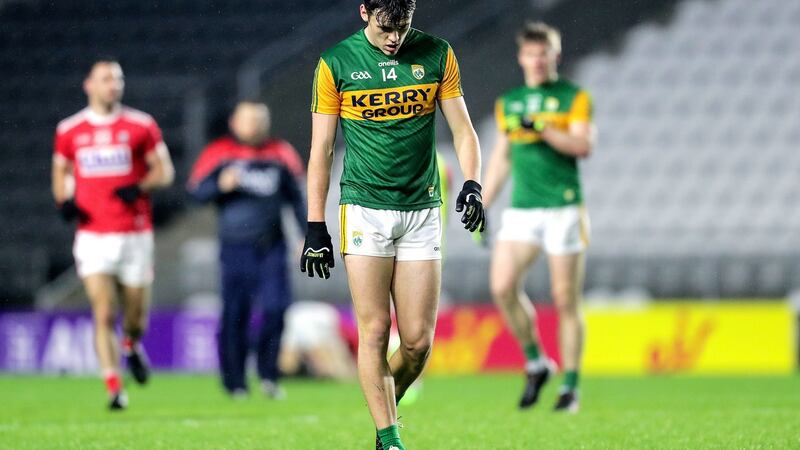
314 97
500 116
326 98
451 81
581 109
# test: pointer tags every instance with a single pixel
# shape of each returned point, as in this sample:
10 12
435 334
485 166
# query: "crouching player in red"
116 156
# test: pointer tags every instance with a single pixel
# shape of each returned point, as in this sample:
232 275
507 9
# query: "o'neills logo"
390 103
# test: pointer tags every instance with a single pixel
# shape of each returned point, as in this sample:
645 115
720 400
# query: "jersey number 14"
391 75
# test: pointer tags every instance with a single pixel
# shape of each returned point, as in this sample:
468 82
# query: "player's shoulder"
70 123
568 86
283 148
420 38
138 117
285 152
282 145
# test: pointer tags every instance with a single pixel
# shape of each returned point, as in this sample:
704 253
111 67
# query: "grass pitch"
466 412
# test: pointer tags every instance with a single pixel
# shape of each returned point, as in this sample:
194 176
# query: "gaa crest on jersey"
551 104
358 238
123 136
418 71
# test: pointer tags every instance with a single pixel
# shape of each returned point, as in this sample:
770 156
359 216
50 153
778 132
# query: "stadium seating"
697 157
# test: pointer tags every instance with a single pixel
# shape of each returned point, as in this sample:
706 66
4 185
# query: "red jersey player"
116 156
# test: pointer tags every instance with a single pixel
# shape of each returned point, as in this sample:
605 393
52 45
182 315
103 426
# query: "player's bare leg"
102 290
510 261
370 280
136 306
415 291
566 279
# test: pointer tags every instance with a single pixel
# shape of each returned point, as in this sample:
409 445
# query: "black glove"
129 193
317 251
470 196
535 125
70 211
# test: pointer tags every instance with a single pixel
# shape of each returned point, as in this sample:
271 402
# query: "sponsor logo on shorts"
418 71
358 238
436 249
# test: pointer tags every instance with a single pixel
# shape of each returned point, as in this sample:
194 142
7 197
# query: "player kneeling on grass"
116 156
544 128
383 84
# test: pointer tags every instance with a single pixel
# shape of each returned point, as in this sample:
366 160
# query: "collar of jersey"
98 119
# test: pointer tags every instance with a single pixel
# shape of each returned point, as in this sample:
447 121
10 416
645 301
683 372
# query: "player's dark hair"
391 12
101 60
540 32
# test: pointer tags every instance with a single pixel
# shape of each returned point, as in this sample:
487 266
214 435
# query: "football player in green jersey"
544 128
382 84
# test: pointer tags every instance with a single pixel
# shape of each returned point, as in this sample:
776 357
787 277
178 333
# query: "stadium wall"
694 338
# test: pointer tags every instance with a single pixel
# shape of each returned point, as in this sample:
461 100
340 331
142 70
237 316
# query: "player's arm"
318 250
323 137
579 138
465 139
160 171
465 142
60 176
61 171
325 105
497 170
499 161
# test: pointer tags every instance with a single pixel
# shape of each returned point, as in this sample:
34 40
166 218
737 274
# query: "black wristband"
317 227
471 185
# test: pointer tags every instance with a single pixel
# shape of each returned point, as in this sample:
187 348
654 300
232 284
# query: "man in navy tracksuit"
251 178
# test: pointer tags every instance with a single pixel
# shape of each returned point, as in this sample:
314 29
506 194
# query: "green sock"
390 437
570 380
531 352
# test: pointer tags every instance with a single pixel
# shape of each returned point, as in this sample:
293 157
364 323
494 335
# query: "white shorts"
404 235
559 231
128 256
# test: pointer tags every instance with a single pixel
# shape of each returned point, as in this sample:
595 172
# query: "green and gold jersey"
387 105
542 177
